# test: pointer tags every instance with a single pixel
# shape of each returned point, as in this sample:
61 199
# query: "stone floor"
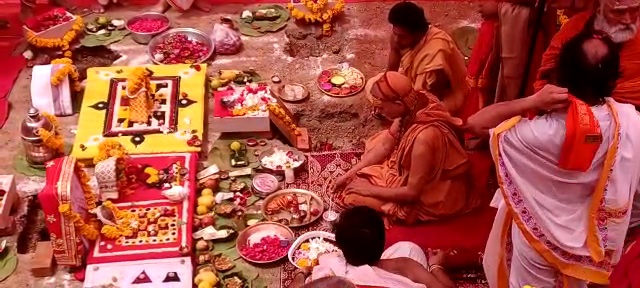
344 121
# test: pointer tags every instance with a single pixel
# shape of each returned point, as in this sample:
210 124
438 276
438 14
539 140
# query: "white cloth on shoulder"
334 264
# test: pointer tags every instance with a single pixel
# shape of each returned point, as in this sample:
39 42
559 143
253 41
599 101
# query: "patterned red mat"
321 170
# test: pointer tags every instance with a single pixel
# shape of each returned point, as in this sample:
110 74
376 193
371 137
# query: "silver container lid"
31 124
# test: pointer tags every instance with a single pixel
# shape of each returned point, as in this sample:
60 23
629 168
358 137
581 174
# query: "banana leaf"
221 247
259 28
92 40
8 263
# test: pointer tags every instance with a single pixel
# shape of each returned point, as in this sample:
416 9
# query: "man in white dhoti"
567 178
360 235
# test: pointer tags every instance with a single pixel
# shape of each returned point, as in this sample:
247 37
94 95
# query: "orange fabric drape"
582 139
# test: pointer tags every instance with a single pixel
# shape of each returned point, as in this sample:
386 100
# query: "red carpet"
467 234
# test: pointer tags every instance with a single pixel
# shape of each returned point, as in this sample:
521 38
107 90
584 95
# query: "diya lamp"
37 154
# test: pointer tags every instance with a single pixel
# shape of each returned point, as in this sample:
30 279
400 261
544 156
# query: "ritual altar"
175 107
152 255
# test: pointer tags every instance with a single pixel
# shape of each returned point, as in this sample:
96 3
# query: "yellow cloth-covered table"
176 118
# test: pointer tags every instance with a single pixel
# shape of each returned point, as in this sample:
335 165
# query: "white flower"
186 73
94 140
106 75
184 134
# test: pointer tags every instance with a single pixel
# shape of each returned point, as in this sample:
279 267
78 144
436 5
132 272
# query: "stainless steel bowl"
144 38
191 33
263 229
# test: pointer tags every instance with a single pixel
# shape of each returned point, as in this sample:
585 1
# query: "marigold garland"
317 15
67 70
109 148
125 222
51 139
63 45
85 230
282 115
89 231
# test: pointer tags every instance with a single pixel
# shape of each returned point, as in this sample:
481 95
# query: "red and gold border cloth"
166 245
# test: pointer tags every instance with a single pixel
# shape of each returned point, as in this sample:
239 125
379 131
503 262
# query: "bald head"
595 50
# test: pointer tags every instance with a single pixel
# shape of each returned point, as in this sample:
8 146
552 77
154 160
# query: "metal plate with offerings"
343 81
293 207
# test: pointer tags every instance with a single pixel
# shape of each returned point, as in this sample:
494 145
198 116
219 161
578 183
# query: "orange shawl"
437 51
627 86
446 191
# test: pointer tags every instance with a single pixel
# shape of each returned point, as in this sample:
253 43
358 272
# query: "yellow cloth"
91 123
437 51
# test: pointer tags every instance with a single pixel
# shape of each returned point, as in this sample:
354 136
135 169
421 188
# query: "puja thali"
337 82
292 207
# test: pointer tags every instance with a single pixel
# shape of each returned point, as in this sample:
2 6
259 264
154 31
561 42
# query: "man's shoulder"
575 24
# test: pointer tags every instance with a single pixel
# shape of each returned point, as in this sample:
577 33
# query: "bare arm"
376 155
417 273
430 151
394 59
490 116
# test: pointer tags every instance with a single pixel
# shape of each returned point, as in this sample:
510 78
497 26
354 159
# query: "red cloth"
146 197
466 234
218 109
625 273
481 69
11 65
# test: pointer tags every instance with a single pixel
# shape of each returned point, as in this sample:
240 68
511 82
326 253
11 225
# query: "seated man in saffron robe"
417 170
567 178
619 19
427 55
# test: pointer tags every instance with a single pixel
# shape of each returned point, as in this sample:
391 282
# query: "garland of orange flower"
89 231
52 139
63 45
318 13
109 148
67 70
282 115
124 221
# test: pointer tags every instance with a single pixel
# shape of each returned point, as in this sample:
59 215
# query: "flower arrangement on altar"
250 100
52 139
318 12
89 231
46 21
123 173
126 223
